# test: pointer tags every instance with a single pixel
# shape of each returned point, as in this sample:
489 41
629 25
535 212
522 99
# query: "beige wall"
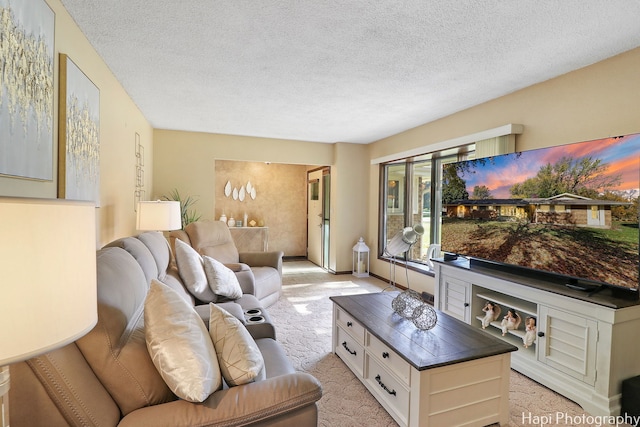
187 161
120 119
594 102
349 201
281 195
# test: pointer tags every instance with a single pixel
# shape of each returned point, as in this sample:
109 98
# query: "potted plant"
188 215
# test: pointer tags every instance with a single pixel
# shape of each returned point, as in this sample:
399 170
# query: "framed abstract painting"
78 135
26 89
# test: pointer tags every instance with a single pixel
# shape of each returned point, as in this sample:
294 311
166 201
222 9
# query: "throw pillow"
222 280
239 357
192 273
179 344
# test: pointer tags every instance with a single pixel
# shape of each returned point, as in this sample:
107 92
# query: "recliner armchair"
259 273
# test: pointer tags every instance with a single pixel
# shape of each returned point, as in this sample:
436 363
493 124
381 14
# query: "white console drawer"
391 393
351 352
388 358
355 329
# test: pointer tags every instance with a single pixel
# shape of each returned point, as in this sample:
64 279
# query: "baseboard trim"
294 258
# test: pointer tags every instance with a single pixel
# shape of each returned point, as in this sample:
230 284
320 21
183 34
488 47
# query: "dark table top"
450 341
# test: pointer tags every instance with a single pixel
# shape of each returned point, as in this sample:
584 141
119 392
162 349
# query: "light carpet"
303 325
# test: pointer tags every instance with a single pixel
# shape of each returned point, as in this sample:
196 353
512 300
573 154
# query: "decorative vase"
231 222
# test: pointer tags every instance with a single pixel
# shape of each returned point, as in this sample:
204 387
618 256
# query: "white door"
595 216
314 217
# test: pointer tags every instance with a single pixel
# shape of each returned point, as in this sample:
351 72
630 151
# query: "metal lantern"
361 259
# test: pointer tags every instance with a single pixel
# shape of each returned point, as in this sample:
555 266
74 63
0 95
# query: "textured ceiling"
341 71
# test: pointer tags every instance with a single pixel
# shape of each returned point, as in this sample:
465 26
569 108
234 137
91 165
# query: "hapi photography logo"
565 419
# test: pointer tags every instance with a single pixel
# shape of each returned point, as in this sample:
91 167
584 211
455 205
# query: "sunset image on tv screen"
570 209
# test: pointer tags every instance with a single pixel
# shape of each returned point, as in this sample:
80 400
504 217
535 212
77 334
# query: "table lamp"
159 215
49 296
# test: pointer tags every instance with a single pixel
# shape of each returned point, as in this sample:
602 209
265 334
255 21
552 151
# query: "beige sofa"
107 378
259 273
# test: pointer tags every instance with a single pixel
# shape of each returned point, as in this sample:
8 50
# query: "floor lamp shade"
403 240
48 256
159 216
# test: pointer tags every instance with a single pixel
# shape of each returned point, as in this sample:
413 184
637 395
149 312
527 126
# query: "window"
394 197
314 189
409 196
410 188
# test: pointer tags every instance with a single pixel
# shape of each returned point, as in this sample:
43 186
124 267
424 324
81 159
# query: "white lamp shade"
410 235
159 216
48 286
403 240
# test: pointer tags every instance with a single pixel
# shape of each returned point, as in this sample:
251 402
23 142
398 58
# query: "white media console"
586 345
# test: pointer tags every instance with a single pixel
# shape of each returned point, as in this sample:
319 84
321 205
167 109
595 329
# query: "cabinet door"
569 343
455 297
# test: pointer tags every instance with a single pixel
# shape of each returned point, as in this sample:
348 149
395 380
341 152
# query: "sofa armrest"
263 259
204 311
245 404
247 281
236 266
261 330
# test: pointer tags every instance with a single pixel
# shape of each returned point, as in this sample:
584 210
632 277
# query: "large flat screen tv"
569 210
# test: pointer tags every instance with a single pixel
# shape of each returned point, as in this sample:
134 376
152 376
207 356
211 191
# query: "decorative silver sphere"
406 302
424 317
410 305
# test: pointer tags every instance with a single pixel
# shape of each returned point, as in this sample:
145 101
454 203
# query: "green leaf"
188 215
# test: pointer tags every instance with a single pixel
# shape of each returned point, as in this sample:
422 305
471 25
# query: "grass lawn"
609 256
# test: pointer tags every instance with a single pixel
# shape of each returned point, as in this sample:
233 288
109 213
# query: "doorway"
318 216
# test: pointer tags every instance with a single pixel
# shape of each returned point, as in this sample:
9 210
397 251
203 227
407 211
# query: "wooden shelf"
507 301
